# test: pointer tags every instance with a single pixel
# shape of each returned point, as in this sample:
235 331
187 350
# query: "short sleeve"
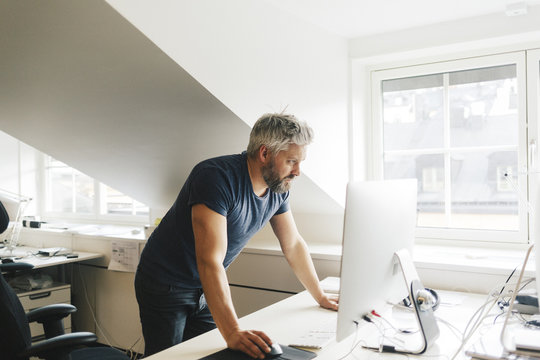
210 186
284 205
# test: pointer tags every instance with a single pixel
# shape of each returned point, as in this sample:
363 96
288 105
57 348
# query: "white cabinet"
258 280
56 294
247 300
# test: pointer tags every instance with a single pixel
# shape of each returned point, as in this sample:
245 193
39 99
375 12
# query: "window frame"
533 114
377 75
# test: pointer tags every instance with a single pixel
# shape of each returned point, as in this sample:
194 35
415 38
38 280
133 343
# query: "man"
223 203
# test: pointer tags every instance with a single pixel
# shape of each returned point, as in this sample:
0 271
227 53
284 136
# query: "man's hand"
329 301
252 342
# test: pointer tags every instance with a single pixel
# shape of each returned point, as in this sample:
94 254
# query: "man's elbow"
208 266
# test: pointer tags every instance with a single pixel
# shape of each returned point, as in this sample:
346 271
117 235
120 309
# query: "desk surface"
28 254
283 321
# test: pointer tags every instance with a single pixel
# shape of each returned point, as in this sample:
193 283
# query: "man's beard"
274 182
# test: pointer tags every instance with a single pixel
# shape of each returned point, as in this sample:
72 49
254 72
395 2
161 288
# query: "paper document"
125 256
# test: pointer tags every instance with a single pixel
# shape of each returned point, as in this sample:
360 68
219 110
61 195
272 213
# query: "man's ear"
264 153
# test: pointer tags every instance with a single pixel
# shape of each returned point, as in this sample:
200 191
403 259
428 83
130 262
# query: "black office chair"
4 218
15 338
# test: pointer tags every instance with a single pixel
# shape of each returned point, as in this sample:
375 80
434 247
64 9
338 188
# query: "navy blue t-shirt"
223 185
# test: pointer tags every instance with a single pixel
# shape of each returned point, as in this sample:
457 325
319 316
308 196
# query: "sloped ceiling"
255 58
79 82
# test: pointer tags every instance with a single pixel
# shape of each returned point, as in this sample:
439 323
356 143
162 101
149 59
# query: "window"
68 190
70 193
113 202
460 129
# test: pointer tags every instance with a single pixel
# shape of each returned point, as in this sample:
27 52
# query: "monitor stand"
424 316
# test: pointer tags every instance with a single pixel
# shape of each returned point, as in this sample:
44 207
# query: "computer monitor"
380 219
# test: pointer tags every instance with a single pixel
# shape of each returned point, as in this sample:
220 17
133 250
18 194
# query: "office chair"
15 338
4 218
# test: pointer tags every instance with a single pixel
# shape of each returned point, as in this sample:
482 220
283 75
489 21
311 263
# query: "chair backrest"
4 218
14 329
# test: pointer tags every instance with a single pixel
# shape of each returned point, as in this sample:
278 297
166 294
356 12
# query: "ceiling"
358 18
80 83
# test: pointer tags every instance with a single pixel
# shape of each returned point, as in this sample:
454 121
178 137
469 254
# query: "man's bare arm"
297 254
210 231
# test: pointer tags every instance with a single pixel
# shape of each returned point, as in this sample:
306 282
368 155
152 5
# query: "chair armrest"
15 266
50 313
58 346
51 317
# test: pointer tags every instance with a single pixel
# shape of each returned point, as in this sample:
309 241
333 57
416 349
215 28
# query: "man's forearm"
218 296
300 261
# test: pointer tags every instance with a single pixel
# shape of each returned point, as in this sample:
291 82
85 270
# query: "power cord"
129 352
481 314
134 355
354 344
90 306
401 331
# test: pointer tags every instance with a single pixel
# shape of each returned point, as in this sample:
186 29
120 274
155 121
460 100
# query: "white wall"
18 170
477 36
82 84
256 59
452 36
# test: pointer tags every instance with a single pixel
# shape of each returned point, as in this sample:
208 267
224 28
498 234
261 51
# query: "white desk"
58 292
299 313
28 255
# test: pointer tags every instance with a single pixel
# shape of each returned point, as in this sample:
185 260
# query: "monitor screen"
380 219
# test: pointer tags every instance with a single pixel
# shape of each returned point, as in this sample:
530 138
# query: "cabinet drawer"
263 271
273 272
38 298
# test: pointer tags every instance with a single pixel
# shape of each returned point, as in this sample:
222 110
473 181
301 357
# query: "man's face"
283 168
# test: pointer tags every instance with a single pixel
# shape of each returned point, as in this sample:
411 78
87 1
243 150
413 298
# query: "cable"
354 344
451 326
480 315
523 198
90 306
129 352
514 298
401 331
133 355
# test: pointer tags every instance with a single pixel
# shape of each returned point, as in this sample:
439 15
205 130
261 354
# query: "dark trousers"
170 314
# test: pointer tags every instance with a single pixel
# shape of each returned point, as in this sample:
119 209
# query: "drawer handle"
40 295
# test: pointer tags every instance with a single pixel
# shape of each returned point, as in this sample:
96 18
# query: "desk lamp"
12 208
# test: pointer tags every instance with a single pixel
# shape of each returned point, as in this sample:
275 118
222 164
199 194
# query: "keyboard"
317 337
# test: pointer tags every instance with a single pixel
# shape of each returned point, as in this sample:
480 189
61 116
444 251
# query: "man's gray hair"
277 132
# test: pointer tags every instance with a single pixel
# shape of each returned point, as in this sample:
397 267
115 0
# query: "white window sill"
497 261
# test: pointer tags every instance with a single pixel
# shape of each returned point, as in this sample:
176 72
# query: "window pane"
120 204
84 186
116 202
483 107
70 190
413 115
484 194
140 208
60 189
429 172
457 133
